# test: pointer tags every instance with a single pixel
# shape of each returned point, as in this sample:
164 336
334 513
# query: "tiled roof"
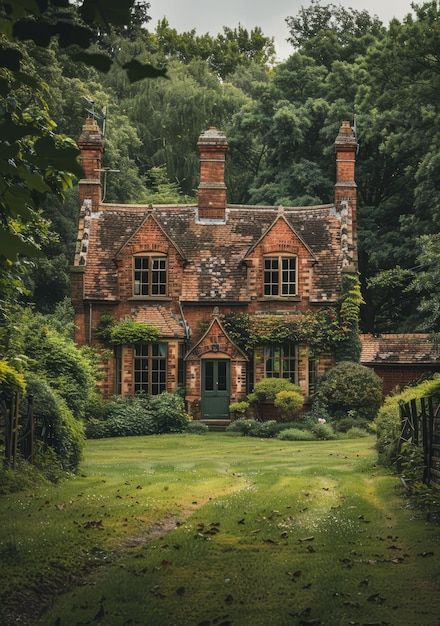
159 316
214 253
407 348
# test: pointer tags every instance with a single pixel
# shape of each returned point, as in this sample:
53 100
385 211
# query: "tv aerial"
99 116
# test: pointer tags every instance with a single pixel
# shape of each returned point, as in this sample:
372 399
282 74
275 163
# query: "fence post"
415 421
425 441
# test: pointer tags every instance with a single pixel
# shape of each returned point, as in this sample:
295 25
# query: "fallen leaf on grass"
376 598
93 524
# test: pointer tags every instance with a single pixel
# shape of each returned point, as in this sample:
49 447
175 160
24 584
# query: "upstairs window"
150 368
280 276
281 361
150 276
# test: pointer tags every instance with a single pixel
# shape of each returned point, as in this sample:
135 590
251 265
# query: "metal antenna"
355 131
106 170
98 116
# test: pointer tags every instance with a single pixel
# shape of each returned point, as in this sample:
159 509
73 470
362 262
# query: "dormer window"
280 276
150 276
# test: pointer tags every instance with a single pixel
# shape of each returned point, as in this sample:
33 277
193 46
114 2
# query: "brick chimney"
91 145
346 147
212 189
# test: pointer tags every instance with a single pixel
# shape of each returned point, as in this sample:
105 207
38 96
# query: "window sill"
279 299
150 299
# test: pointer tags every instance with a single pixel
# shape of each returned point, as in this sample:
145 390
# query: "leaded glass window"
150 368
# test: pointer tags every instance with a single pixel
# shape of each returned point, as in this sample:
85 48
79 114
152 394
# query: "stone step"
216 425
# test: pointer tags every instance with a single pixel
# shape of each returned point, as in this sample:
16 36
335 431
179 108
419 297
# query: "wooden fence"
17 417
420 420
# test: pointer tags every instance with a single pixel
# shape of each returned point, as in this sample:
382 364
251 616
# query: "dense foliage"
350 387
58 375
56 422
281 122
140 415
388 418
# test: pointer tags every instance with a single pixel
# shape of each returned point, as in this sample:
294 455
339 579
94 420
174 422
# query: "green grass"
306 531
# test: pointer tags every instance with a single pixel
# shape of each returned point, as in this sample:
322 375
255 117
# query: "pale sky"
211 15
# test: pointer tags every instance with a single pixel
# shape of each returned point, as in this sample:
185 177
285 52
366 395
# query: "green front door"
215 388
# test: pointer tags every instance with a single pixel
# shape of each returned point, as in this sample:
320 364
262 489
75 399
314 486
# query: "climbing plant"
349 349
124 332
321 331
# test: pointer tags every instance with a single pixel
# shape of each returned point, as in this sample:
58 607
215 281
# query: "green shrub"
263 429
289 403
387 422
350 386
96 406
140 415
128 331
239 409
317 411
351 421
323 431
295 434
197 428
25 476
355 433
267 388
241 426
10 379
169 413
298 424
55 358
53 417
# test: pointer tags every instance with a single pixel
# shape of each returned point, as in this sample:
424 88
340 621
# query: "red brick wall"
226 350
400 376
149 239
212 189
280 239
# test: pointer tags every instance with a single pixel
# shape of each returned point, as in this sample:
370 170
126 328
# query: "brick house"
400 358
181 267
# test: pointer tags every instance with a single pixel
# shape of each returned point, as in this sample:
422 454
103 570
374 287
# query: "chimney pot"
212 146
91 145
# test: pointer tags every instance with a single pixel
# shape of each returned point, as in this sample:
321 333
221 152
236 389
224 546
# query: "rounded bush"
239 409
263 429
323 431
349 386
140 415
267 389
295 434
345 423
241 426
356 433
197 428
289 403
169 413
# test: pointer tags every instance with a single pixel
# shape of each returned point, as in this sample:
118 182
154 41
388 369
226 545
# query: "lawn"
204 530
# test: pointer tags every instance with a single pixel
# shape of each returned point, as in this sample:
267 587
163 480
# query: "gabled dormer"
149 264
280 264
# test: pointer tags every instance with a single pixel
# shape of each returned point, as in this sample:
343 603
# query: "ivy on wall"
332 330
125 332
349 349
